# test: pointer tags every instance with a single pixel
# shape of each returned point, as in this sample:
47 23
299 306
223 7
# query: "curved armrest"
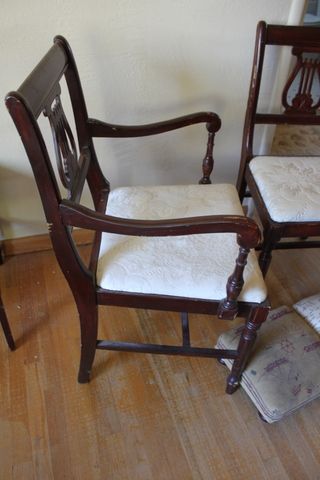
101 129
248 233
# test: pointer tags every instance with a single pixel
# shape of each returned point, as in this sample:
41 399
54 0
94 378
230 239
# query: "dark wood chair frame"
41 93
6 327
301 110
3 317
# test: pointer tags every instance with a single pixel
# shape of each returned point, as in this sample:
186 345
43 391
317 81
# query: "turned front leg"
207 163
247 339
228 307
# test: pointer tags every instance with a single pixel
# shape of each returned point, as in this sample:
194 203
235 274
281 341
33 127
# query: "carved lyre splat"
64 144
306 75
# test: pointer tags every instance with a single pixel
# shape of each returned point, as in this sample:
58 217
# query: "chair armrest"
248 233
101 129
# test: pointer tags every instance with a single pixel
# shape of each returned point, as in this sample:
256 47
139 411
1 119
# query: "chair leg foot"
6 328
233 384
84 376
89 329
88 350
11 343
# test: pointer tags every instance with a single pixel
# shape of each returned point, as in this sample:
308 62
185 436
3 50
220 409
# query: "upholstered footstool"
283 373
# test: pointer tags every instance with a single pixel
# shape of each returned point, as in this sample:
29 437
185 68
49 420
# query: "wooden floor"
142 416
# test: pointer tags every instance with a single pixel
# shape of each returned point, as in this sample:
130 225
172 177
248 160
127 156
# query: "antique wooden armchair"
285 189
164 247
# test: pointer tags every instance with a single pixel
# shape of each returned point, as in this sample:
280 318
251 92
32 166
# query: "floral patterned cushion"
283 373
195 266
289 186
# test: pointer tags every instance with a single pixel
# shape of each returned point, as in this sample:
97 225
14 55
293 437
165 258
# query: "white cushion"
309 309
289 186
194 266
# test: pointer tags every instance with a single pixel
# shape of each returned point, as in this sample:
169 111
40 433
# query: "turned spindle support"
208 162
228 307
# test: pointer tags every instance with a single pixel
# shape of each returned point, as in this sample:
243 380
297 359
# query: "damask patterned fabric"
196 266
283 372
289 186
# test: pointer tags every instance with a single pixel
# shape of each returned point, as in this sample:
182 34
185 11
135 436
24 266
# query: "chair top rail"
38 86
302 36
289 119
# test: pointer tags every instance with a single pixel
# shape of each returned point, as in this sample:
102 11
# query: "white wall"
140 61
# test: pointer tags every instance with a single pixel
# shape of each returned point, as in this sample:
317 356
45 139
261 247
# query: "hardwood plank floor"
142 416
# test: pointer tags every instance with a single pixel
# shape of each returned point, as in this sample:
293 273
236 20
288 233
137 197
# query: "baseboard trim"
39 243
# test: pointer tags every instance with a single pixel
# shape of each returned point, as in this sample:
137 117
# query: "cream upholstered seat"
195 266
289 186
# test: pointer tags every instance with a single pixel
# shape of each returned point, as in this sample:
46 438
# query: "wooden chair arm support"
248 233
98 128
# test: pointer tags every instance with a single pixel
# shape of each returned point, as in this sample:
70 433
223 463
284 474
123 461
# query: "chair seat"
289 186
196 266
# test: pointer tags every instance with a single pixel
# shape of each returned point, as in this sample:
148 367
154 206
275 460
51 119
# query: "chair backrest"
300 93
77 162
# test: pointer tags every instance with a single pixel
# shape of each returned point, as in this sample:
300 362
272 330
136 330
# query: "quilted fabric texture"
289 186
196 266
309 309
283 373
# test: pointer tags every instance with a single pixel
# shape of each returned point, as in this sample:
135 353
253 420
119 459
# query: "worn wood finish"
142 417
302 109
77 162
